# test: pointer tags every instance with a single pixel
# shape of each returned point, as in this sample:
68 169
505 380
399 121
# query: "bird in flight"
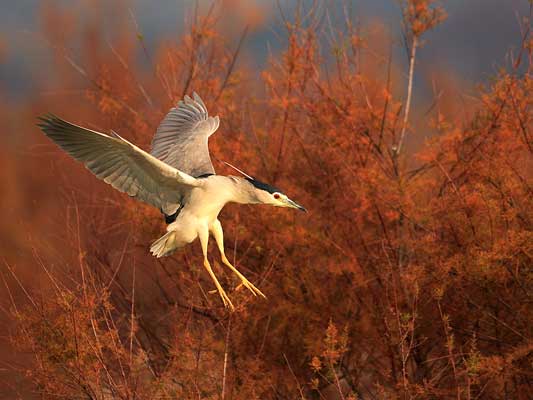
177 177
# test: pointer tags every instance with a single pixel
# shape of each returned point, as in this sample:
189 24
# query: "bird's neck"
244 192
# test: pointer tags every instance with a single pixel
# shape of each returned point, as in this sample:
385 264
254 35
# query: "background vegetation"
410 278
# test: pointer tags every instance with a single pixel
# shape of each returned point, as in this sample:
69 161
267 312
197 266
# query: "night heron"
177 177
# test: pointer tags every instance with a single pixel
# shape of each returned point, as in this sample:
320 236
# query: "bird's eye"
276 195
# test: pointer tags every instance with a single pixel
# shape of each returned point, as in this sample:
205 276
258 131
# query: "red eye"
276 195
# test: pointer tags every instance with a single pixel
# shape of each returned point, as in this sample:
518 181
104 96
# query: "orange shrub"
409 278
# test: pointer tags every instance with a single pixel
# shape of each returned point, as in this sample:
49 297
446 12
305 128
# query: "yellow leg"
204 237
216 229
245 282
225 299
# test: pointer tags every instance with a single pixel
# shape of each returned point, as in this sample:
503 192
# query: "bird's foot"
244 282
250 286
225 299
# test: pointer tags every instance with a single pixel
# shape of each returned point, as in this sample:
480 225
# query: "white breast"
207 201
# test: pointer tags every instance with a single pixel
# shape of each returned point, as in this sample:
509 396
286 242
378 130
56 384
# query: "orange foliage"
410 278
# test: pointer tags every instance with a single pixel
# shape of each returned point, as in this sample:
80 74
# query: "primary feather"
181 138
121 164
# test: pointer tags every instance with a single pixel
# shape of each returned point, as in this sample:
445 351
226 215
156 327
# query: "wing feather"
121 164
181 140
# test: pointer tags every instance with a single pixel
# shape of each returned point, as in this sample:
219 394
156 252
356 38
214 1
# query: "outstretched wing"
121 164
181 138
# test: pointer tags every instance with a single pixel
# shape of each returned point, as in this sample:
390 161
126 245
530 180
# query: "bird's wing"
121 164
181 138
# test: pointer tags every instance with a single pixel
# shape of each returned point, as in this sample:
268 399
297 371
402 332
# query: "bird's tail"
165 245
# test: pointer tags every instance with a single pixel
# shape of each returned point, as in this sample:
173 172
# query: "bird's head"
267 194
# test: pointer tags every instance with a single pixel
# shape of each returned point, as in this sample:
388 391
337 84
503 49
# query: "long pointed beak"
293 204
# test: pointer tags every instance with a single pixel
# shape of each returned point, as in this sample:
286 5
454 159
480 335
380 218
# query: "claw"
244 282
225 299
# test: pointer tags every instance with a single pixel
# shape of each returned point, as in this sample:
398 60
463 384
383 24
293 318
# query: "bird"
176 176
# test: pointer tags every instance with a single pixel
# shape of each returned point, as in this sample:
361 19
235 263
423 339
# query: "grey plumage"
121 164
181 138
177 177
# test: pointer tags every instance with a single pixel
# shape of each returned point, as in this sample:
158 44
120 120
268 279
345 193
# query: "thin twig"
412 59
132 314
226 351
233 61
294 376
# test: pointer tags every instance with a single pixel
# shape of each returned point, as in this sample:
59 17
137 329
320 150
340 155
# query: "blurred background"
407 279
469 46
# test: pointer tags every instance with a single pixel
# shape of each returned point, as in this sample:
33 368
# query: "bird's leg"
204 238
216 229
